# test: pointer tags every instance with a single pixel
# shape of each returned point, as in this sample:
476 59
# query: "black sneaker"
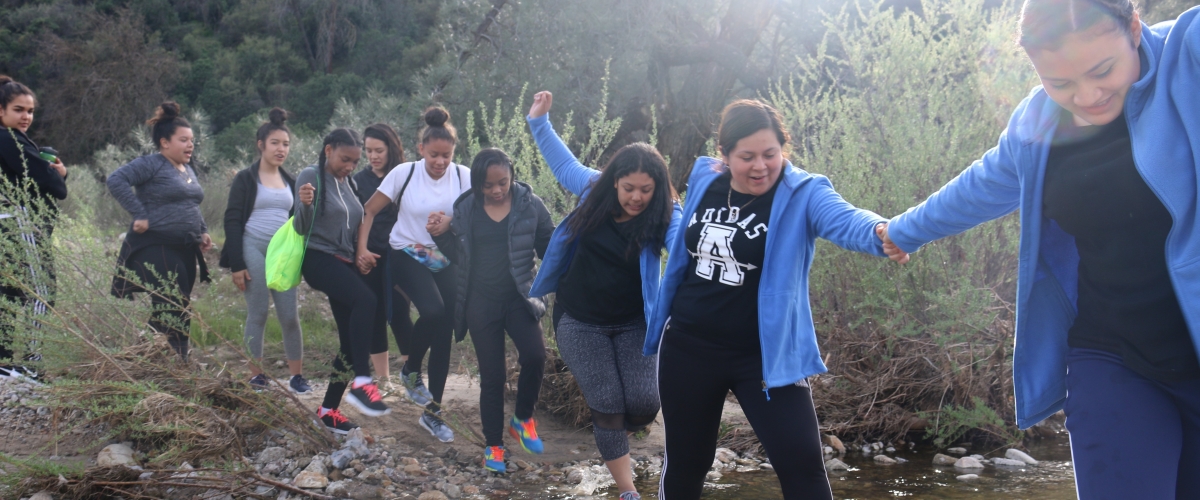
367 399
335 422
18 373
259 383
299 385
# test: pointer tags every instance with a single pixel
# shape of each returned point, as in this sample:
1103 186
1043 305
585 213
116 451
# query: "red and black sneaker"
368 400
337 423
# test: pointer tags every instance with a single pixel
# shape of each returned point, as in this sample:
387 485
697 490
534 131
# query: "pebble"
115 454
836 464
336 488
725 455
941 459
967 477
968 463
311 480
433 495
1020 455
1007 462
835 443
884 459
272 454
41 495
958 450
341 458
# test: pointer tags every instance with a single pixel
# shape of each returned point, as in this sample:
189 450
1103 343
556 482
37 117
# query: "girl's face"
342 160
275 149
377 152
496 187
437 154
634 193
1091 73
19 113
755 162
178 148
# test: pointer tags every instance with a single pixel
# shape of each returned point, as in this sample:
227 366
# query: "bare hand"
541 104
437 224
889 248
240 278
60 168
307 193
141 225
206 243
366 260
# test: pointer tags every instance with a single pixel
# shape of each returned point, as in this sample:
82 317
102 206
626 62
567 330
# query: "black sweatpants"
154 265
694 376
353 306
433 294
487 320
391 307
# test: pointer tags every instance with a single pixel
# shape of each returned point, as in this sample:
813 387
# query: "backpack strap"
404 187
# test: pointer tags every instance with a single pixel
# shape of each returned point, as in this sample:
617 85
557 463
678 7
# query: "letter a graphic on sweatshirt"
715 250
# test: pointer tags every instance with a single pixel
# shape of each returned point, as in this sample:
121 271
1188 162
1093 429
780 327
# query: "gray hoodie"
338 214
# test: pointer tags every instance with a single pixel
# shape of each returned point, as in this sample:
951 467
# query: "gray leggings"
619 384
254 250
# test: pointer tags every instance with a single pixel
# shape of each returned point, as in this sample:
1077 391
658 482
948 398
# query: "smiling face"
634 192
1091 72
341 160
178 148
437 154
498 184
19 113
755 162
377 153
275 149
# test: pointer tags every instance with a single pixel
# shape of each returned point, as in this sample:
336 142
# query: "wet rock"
967 477
470 490
979 458
957 451
828 450
836 464
876 446
884 459
890 449
901 460
725 455
941 459
1007 462
433 495
835 443
341 458
967 463
311 480
114 455
1020 455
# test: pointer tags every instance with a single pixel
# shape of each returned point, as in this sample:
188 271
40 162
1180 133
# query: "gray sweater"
338 217
150 188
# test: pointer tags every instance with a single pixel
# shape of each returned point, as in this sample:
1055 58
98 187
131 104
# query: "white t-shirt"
423 196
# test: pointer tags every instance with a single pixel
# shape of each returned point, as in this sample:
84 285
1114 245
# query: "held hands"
438 223
365 260
307 193
241 278
893 252
541 104
141 225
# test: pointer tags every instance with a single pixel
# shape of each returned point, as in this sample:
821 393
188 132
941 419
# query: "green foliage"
954 423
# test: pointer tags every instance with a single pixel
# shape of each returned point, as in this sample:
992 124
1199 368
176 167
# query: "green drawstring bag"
285 253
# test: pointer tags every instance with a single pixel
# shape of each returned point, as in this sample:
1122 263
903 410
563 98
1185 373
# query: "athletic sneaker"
259 382
631 495
336 422
493 459
525 431
433 423
415 387
367 399
299 385
18 373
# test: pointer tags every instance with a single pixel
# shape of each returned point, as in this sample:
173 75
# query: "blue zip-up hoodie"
805 208
578 179
1163 112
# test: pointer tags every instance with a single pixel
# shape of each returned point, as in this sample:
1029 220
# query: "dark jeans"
391 307
694 375
155 265
353 306
487 320
1131 437
433 294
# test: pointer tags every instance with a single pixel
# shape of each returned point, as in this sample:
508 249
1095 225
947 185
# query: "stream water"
1051 479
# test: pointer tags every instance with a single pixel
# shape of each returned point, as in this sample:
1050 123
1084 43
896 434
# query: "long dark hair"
337 138
166 120
484 160
384 132
10 89
601 204
276 120
1044 23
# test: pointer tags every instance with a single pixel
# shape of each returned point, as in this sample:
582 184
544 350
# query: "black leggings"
694 376
391 307
487 320
36 270
433 294
353 305
154 265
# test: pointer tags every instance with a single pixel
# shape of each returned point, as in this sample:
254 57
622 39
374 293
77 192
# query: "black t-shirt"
603 285
381 225
1127 305
491 269
727 240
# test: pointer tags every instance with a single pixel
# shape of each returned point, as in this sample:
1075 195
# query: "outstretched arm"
847 226
566 168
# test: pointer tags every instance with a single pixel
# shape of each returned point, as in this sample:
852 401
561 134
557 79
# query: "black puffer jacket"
242 194
529 231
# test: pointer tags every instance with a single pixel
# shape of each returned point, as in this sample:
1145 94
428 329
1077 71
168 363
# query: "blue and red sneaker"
493 459
525 431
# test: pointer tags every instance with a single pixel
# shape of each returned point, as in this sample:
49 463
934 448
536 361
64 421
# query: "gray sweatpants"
618 382
254 250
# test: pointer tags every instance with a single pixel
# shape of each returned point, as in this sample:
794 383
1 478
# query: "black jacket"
242 194
19 159
529 231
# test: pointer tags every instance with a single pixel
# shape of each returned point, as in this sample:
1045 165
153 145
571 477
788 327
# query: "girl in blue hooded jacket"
732 310
1101 160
